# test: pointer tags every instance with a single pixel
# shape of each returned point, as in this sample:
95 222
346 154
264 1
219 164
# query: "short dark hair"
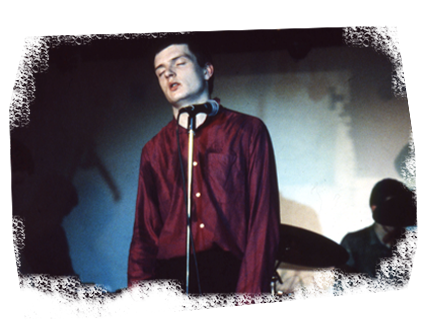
385 189
195 45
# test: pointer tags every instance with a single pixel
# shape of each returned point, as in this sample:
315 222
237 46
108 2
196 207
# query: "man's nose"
169 72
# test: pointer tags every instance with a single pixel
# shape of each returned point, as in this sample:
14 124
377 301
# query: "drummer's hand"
347 292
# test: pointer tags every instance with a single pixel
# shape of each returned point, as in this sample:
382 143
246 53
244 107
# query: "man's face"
180 77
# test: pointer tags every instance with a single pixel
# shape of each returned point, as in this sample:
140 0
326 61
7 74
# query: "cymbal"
304 248
397 212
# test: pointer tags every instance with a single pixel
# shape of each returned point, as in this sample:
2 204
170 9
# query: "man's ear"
208 71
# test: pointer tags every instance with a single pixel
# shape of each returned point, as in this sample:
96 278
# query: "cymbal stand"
275 278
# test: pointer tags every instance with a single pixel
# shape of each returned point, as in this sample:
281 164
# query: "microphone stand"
192 113
191 134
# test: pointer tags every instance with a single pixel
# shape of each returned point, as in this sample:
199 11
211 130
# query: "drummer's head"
385 190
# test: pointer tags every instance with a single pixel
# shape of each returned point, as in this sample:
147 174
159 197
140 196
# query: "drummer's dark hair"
385 189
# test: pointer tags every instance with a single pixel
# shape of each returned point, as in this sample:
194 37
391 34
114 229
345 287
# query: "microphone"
211 108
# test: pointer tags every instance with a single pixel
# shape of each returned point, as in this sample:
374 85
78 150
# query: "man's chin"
176 101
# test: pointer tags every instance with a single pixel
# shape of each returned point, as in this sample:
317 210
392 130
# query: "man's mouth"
173 86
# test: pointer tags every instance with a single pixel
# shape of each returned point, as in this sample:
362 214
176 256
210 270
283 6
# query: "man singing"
235 200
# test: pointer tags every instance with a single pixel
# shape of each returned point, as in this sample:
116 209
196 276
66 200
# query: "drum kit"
306 249
302 249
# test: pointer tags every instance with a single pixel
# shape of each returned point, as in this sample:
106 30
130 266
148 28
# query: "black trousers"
218 271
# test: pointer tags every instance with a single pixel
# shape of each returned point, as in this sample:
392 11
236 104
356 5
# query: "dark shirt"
235 198
373 267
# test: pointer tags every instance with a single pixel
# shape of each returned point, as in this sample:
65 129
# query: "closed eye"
159 73
180 61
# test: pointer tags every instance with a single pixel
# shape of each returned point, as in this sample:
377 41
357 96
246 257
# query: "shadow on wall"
41 201
89 159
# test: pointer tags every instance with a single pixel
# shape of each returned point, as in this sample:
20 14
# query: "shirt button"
202 225
198 194
195 163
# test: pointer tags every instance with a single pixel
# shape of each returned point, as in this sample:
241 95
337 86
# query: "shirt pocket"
224 176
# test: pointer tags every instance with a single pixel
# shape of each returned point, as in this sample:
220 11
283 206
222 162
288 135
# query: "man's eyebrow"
160 66
174 59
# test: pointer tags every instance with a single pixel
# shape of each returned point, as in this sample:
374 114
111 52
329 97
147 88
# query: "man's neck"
199 119
183 121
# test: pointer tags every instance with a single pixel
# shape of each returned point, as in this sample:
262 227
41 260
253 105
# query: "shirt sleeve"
144 245
259 257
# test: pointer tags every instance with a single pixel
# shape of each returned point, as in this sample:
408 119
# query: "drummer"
393 210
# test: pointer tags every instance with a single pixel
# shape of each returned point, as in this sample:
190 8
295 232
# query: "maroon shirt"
235 198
